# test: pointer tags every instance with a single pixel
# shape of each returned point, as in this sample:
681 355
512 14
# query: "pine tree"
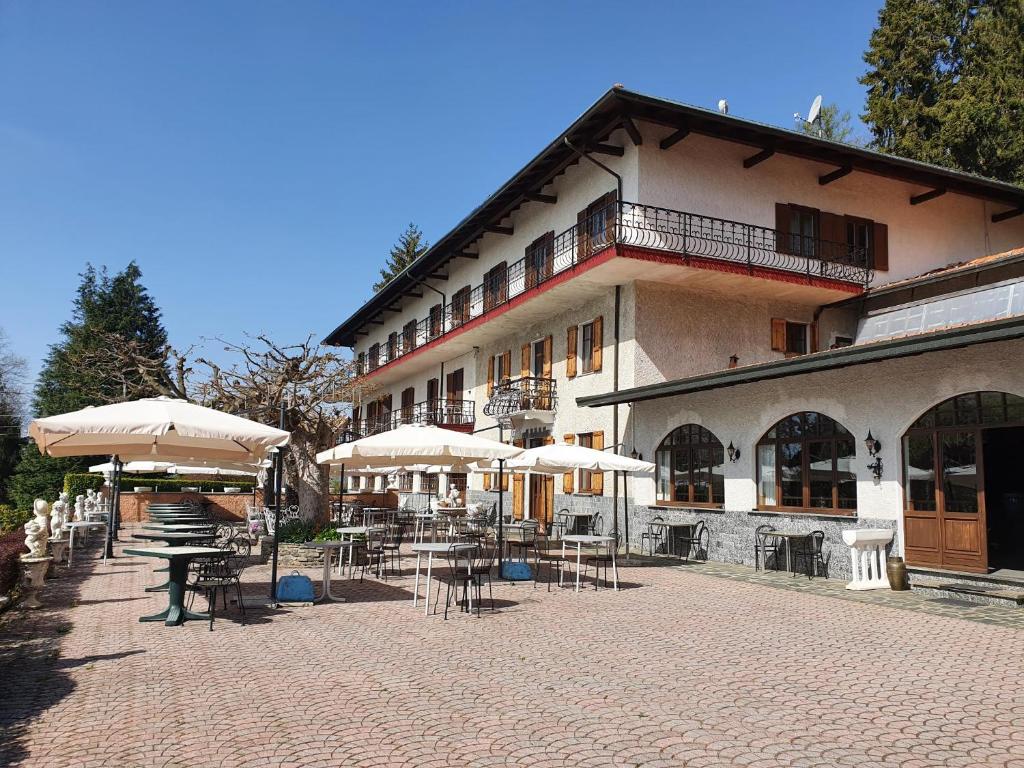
945 84
410 246
77 371
11 372
832 125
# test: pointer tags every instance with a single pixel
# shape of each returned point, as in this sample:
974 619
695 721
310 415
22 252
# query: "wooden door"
944 518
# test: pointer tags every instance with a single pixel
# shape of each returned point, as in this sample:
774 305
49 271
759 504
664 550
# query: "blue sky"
258 159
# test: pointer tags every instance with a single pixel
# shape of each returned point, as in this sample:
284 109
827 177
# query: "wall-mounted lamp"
734 452
634 455
874 446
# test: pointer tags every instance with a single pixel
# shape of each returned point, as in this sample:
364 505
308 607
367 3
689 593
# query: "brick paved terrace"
702 665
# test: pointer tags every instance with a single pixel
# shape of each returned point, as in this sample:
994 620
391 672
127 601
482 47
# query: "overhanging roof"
845 357
608 113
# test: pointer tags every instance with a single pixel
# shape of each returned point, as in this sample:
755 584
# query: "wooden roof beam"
634 133
537 197
835 175
674 138
439 276
465 255
495 229
606 149
924 197
396 310
1013 212
760 157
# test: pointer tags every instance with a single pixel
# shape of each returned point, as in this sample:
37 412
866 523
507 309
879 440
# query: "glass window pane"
967 409
701 475
992 407
820 469
766 474
919 471
945 416
846 477
959 472
791 474
664 467
1014 408
681 476
718 474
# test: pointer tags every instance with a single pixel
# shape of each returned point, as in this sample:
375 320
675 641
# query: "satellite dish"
723 106
815 111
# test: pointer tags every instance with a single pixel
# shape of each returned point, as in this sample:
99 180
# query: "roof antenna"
723 106
813 115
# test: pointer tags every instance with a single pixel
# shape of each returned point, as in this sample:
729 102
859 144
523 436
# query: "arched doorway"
964 484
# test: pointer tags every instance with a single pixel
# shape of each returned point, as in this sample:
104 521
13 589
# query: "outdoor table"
179 527
431 548
579 541
670 527
97 516
352 531
171 538
370 514
788 537
179 558
327 547
421 526
84 526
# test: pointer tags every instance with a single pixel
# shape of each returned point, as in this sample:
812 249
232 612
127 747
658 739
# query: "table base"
175 616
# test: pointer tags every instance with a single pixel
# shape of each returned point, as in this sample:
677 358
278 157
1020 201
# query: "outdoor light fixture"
874 446
734 452
634 455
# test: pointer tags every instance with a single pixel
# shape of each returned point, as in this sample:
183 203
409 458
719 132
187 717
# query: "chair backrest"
596 524
655 519
528 531
817 540
762 531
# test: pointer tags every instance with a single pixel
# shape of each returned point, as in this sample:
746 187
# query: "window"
374 357
586 440
428 483
434 325
495 286
392 345
589 344
361 363
409 337
841 341
595 225
502 364
457 480
539 259
858 239
460 306
537 359
837 237
805 462
405 482
408 403
789 337
689 467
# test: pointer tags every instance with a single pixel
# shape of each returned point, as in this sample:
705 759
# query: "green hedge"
77 483
12 519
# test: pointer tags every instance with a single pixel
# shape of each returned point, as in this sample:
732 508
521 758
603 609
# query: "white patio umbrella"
557 458
132 467
411 444
154 428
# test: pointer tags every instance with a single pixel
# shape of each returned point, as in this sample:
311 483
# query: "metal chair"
809 551
219 573
765 542
699 542
596 525
390 550
600 555
654 536
526 541
560 524
468 568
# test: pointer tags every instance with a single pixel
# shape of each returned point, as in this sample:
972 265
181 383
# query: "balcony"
450 414
688 237
523 403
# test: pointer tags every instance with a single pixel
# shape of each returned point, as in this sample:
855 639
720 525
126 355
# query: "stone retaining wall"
223 506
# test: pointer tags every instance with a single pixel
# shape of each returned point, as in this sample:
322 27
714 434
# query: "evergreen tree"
945 84
410 246
832 125
78 370
11 377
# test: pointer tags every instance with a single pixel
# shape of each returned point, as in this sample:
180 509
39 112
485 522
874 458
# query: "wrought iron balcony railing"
642 226
525 394
442 413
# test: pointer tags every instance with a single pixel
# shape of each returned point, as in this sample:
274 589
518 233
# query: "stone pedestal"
59 552
867 555
35 572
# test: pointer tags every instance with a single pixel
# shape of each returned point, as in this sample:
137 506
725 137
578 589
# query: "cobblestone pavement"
705 665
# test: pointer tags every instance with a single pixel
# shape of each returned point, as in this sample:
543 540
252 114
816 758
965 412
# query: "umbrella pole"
501 518
615 514
114 516
278 467
114 501
341 498
625 510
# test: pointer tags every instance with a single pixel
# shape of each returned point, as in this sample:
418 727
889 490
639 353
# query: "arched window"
689 467
806 462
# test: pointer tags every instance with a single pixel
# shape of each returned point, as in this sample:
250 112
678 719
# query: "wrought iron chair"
810 552
765 543
390 550
560 524
219 573
468 569
698 542
523 541
654 535
600 555
596 525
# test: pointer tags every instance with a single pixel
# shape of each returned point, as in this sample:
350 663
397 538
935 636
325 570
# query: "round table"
328 547
430 548
178 558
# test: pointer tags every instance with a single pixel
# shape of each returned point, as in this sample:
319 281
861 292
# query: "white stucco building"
675 282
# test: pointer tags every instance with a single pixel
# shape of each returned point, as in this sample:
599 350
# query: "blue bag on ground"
295 588
516 571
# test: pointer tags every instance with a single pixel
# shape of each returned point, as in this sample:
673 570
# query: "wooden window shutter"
582 236
833 236
549 440
597 478
524 368
546 372
598 343
778 334
517 487
449 380
506 359
880 246
567 478
490 375
487 481
570 352
782 215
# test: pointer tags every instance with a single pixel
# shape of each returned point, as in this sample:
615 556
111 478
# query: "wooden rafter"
760 157
495 229
606 149
537 197
674 138
835 175
634 133
1013 212
924 197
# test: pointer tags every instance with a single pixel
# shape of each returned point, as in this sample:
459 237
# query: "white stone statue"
453 497
36 530
79 508
90 502
58 512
